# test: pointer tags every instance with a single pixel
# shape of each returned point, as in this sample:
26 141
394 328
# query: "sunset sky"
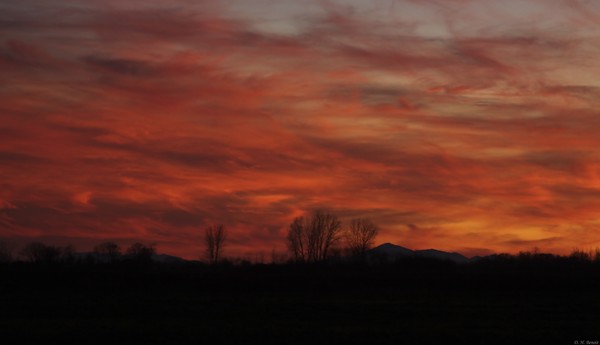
469 126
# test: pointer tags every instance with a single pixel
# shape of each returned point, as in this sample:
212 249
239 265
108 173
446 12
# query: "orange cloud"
146 121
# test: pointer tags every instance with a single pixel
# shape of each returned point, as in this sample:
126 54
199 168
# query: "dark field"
408 303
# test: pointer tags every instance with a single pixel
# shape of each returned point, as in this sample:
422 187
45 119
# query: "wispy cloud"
473 122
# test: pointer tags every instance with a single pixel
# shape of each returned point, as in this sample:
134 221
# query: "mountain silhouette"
438 254
392 252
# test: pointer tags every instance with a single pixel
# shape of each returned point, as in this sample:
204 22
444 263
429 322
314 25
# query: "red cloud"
149 123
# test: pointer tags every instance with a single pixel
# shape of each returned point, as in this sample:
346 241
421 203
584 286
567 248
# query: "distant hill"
438 254
168 259
391 252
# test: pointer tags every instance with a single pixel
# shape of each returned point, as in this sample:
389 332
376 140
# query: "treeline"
106 252
315 238
112 253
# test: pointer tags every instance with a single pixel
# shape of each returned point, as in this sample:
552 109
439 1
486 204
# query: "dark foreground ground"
409 303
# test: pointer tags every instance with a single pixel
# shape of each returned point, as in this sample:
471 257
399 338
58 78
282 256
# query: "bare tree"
109 250
360 236
6 251
311 239
297 238
34 252
38 252
141 252
214 239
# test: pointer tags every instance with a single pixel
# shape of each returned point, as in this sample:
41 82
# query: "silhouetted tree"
277 257
583 256
6 251
34 252
214 239
310 239
38 252
109 250
67 254
141 252
360 236
298 237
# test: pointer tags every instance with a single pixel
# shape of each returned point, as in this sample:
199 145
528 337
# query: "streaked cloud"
458 125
